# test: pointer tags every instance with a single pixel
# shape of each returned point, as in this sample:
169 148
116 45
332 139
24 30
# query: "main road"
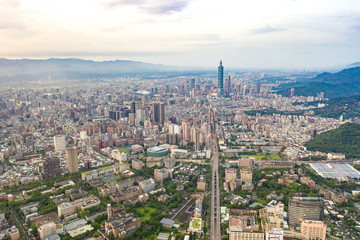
215 232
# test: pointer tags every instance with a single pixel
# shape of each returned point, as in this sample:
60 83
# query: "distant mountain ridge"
31 69
340 84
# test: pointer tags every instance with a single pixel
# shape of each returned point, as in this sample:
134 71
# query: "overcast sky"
245 33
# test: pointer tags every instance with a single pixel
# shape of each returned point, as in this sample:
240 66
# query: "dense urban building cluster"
134 159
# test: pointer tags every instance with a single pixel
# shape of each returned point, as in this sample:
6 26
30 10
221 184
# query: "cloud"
267 29
158 7
11 16
118 3
166 7
10 4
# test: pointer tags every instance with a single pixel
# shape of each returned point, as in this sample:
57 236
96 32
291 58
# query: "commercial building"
305 208
72 160
227 87
220 79
158 112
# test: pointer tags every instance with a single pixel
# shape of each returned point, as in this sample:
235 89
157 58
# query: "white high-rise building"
171 128
177 129
59 143
140 116
83 135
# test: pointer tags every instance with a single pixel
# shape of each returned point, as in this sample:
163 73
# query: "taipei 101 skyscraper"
220 79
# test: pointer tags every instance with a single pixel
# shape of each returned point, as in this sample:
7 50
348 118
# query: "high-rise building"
227 87
230 174
305 208
109 211
59 143
292 92
195 138
182 88
72 160
132 107
246 175
158 112
238 88
192 83
51 168
220 79
258 87
185 125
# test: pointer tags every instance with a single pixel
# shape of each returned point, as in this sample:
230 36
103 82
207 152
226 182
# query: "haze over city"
248 34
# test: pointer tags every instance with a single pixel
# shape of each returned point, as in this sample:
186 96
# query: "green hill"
345 139
340 84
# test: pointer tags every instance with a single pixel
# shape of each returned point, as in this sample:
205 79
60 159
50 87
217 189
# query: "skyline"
258 34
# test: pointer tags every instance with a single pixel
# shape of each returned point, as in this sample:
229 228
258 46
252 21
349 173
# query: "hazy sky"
246 33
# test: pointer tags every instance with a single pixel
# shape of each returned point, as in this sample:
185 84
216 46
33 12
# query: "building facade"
314 230
220 79
72 160
305 208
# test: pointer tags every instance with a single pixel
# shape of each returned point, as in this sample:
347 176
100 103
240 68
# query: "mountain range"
340 84
31 69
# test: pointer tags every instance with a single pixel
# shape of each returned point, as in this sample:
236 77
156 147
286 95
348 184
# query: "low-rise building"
103 172
336 156
47 230
198 209
161 174
314 230
137 164
152 162
82 203
121 224
147 185
274 234
307 181
272 216
126 194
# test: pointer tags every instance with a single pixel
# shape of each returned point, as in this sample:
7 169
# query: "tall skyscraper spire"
220 79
